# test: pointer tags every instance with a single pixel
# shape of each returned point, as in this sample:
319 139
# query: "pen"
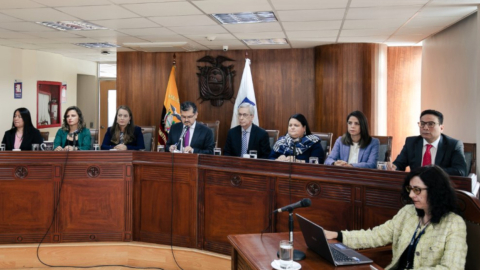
373 267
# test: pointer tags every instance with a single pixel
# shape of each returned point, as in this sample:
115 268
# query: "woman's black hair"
300 118
365 137
81 122
129 133
441 196
27 120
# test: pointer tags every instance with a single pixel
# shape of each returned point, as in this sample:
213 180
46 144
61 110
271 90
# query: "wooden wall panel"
283 81
404 94
344 81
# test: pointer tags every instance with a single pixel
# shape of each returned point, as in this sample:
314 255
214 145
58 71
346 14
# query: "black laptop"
337 254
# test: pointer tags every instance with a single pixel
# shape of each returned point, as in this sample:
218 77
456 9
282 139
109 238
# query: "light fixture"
72 25
97 45
245 17
268 41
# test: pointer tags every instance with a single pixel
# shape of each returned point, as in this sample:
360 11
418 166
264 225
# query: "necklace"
20 137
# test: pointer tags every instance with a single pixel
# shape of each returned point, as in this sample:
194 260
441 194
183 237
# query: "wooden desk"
250 252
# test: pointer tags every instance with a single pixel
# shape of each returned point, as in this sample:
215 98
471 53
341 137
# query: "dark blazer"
202 140
367 157
136 144
450 156
258 141
29 138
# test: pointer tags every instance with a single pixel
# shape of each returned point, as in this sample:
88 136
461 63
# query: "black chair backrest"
469 205
326 141
470 150
148 137
272 136
214 126
385 149
45 135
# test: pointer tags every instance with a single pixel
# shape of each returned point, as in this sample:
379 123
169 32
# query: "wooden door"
105 86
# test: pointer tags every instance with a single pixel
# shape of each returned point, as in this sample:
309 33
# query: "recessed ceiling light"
97 45
268 41
245 17
72 25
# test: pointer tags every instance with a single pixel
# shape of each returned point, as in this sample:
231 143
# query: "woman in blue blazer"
123 135
356 148
73 135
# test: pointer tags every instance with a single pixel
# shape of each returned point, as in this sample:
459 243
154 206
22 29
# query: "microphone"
180 140
302 203
75 132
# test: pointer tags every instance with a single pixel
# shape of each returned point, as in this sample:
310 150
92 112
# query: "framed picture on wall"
17 90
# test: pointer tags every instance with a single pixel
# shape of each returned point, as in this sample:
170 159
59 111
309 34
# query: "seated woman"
123 135
73 135
427 233
355 148
299 138
22 134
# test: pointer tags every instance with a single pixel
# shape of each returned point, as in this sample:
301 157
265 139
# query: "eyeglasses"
428 124
244 115
416 190
187 116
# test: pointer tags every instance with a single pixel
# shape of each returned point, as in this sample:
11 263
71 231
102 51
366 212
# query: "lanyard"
413 245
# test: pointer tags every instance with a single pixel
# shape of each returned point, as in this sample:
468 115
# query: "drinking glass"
381 165
35 147
253 153
285 254
313 160
217 151
96 147
2 147
161 148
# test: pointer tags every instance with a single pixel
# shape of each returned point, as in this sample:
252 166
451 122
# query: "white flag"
245 94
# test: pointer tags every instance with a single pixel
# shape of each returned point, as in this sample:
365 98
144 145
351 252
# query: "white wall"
30 67
449 78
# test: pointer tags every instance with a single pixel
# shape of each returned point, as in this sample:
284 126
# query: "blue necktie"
244 143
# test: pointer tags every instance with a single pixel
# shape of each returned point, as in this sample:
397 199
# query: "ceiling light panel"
97 45
72 25
267 41
245 17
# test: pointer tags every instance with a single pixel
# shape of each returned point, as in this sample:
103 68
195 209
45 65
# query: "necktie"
187 138
244 143
427 157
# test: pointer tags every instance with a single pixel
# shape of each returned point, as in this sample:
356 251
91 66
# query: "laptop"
337 254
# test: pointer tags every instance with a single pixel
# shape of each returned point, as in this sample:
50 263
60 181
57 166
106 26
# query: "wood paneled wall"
283 80
404 94
345 81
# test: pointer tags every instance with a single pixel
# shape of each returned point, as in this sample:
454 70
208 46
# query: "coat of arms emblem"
216 81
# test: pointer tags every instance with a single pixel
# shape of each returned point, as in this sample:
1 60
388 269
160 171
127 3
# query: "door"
107 91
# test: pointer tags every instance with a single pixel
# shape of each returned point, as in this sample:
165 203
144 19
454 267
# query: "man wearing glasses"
247 136
190 136
432 147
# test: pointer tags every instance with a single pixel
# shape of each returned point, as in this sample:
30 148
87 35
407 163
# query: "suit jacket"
83 139
202 140
258 141
29 138
443 244
136 144
450 156
367 157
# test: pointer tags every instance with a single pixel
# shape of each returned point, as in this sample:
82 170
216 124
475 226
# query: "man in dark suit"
247 136
432 147
196 138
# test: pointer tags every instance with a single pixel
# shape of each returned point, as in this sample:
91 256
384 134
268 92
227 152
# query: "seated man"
197 138
247 136
432 147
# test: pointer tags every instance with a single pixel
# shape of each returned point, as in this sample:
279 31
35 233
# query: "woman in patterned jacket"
426 234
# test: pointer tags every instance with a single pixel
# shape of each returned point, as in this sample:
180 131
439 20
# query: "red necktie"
427 157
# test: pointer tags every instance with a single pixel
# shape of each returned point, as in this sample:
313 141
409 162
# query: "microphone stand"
74 140
297 254
294 151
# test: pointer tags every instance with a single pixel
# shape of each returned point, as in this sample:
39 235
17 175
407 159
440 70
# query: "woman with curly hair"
298 139
427 232
73 135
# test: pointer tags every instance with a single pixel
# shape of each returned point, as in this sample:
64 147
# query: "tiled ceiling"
164 24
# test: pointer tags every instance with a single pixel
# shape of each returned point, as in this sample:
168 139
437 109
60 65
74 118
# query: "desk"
250 252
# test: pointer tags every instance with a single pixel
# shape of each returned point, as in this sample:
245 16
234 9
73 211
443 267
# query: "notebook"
337 254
